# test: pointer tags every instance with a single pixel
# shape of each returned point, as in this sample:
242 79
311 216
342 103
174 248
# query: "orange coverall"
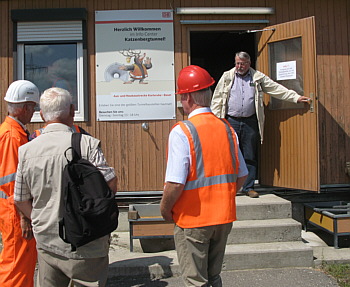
18 256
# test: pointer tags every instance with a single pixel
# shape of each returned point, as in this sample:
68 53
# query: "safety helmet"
193 78
22 91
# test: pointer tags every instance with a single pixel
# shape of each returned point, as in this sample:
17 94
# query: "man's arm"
240 182
25 207
23 203
113 184
303 99
97 158
172 192
279 91
217 100
26 226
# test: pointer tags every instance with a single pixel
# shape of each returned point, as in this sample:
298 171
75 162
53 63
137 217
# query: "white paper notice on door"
286 70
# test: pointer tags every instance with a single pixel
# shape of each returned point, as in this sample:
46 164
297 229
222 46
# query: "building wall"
139 156
333 79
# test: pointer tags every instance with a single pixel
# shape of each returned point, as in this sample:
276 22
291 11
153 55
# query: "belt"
240 118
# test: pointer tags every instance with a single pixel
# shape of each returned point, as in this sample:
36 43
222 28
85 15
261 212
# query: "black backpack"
90 207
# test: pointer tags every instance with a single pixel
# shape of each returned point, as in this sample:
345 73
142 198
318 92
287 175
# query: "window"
286 68
51 53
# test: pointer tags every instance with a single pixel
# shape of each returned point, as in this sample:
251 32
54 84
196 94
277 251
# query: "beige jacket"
263 84
42 161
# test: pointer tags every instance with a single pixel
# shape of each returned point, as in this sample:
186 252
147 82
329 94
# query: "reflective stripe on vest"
3 195
202 180
75 128
7 178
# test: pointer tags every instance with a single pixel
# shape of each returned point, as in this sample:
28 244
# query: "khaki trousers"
59 271
201 252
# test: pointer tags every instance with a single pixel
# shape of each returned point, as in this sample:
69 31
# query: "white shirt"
179 158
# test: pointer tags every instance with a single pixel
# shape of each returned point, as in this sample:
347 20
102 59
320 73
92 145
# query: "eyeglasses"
242 63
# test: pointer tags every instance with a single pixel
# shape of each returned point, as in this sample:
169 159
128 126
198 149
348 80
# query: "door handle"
312 102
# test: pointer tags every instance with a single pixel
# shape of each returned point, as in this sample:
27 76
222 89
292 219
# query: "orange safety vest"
209 194
18 256
12 136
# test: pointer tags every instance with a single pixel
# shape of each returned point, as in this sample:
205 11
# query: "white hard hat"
22 91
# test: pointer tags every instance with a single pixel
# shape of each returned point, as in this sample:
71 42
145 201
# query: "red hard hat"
193 78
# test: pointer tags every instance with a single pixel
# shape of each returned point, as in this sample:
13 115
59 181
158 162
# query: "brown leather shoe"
252 193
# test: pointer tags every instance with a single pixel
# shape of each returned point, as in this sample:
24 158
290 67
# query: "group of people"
211 156
31 202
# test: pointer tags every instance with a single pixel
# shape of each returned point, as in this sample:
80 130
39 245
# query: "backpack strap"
76 138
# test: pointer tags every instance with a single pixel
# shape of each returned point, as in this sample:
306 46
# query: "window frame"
42 17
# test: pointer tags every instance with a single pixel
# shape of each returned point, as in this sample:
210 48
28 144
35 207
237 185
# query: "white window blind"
49 31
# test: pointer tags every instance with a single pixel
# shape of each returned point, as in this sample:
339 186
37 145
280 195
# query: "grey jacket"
263 84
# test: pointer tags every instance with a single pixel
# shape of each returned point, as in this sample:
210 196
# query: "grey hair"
243 55
15 108
55 104
202 97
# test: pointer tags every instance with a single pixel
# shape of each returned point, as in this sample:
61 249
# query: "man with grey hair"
238 97
18 256
38 194
204 170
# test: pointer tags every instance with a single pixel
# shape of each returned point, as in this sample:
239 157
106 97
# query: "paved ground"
145 269
284 277
288 277
124 262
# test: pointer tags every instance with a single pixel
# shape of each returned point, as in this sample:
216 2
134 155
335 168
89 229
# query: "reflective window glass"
52 65
286 68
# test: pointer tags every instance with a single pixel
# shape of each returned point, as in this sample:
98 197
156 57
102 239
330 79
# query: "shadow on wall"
268 164
334 147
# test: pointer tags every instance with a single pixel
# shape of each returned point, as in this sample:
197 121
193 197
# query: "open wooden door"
289 154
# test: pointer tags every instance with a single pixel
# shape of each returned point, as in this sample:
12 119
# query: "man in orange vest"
18 256
205 169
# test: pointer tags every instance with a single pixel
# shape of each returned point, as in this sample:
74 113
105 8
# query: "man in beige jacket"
239 98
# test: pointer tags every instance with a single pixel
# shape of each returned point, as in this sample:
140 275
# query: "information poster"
134 65
286 70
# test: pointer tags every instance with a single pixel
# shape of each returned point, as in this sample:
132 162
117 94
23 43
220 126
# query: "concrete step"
237 257
268 230
268 206
268 255
265 236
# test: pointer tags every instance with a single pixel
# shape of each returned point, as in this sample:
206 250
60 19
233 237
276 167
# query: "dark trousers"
247 131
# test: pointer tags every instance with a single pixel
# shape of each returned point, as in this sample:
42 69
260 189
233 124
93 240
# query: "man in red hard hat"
18 256
205 169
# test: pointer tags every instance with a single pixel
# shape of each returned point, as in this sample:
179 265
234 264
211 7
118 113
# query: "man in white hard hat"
18 256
